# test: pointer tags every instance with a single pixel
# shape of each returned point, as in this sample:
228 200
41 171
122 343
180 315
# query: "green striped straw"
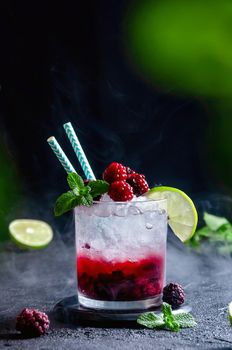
79 151
60 155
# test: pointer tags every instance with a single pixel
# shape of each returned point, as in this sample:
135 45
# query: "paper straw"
79 151
60 155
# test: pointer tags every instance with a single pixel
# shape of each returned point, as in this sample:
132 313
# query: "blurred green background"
183 45
9 191
186 47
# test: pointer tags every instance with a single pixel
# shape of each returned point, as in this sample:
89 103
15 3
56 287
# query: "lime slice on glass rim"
182 214
31 234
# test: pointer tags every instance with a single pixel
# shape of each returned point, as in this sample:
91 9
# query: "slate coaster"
68 310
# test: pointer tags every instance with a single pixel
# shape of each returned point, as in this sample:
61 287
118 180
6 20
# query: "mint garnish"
65 202
79 193
185 320
98 187
151 320
217 230
167 320
75 181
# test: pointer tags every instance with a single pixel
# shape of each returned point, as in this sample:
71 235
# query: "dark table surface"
38 279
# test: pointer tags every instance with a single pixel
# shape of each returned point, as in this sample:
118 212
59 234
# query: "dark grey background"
67 61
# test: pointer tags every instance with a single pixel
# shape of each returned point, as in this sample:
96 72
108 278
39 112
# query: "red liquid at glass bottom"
100 279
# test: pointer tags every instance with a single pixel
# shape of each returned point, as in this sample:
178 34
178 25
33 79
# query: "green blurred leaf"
218 231
214 222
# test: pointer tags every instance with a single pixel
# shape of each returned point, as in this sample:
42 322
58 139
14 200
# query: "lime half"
32 234
182 214
230 312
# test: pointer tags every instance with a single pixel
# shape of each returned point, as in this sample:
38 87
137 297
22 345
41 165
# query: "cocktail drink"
121 248
121 229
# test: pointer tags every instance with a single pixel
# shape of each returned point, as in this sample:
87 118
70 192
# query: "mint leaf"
169 319
86 200
79 194
85 190
75 180
65 202
98 187
214 222
151 320
185 320
76 191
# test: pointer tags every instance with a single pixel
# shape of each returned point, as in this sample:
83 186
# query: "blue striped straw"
60 155
79 151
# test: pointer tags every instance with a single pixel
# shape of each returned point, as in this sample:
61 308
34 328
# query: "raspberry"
115 172
32 323
138 183
120 191
173 294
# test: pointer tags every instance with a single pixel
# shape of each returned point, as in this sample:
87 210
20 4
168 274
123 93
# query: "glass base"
120 305
69 310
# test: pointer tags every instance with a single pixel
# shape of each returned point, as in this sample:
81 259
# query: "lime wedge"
32 234
182 214
230 312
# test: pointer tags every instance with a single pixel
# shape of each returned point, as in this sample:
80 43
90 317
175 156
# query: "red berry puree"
120 281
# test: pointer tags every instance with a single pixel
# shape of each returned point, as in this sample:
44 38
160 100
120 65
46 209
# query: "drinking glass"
121 253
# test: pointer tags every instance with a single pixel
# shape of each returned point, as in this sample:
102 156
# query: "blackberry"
32 323
173 294
138 183
129 171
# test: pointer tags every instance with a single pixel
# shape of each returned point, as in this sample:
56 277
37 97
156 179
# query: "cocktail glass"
121 249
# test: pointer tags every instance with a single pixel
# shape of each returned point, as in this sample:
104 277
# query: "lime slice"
33 234
230 312
182 214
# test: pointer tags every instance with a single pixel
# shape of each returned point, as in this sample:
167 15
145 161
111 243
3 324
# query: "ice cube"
133 210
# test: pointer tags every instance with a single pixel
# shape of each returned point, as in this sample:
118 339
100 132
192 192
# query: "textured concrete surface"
39 279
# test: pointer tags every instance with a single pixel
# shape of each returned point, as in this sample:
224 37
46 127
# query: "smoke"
116 119
214 203
42 276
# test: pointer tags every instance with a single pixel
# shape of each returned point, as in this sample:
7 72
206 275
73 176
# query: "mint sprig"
216 230
167 320
79 193
75 181
98 187
185 320
151 320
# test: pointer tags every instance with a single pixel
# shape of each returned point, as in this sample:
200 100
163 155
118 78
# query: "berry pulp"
127 280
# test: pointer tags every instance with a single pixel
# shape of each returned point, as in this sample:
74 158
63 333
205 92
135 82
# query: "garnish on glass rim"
79 193
122 184
182 214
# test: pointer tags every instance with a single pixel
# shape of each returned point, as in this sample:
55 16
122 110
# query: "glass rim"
131 202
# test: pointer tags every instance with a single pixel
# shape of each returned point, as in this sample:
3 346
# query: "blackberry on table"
173 294
32 323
